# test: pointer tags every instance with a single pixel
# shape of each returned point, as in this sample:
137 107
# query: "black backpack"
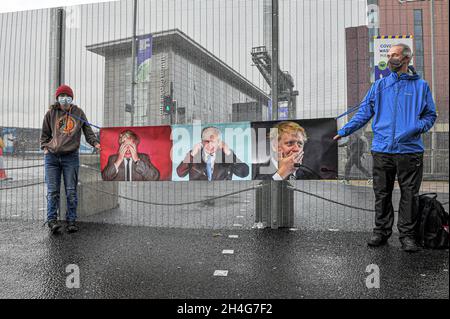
432 223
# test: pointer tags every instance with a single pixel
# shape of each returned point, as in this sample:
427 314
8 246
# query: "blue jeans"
68 165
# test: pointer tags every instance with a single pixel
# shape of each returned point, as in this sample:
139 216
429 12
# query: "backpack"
432 223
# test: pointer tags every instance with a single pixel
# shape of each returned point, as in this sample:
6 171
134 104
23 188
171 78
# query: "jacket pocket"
410 135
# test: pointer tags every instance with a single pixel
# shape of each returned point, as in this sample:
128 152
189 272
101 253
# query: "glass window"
419 47
418 17
418 61
418 31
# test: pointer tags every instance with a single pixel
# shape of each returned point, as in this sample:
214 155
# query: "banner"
277 150
136 153
143 57
381 46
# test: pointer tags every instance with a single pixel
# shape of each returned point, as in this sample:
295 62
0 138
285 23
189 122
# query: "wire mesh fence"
202 52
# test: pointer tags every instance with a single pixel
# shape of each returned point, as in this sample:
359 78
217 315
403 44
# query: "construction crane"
286 92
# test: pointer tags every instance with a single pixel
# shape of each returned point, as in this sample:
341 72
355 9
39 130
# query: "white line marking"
221 273
233 236
228 252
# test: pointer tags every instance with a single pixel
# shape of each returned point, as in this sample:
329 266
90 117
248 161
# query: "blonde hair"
289 128
128 134
2 144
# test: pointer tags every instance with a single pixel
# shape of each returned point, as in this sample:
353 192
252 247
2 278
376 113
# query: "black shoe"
377 240
55 226
409 245
72 227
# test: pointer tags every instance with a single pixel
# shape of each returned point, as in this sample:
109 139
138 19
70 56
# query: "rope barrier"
176 204
339 203
330 200
21 186
199 201
22 167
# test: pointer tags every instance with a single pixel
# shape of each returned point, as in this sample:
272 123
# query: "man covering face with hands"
128 164
287 141
212 159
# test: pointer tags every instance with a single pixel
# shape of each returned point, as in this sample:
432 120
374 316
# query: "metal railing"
203 48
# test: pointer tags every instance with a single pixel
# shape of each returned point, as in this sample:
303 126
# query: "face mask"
66 100
395 64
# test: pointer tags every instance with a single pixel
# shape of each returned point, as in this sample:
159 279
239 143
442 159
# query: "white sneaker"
370 181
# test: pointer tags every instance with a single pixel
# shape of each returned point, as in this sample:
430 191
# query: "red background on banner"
154 141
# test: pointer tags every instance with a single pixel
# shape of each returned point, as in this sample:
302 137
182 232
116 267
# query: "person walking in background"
402 108
357 147
60 141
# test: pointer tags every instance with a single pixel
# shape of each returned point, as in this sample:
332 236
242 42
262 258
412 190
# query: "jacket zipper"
394 122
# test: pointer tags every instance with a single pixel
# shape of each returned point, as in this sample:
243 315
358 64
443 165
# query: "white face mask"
65 100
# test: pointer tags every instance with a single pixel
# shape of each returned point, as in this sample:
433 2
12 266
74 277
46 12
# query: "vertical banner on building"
381 46
143 57
283 110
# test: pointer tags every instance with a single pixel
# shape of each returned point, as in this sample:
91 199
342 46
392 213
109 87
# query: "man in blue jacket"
402 108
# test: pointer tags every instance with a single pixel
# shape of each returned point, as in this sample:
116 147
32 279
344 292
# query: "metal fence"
202 53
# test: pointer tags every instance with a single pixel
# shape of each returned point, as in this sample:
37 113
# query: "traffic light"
168 105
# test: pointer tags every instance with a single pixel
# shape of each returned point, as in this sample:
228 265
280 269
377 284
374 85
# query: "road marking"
240 216
237 225
221 273
293 229
233 236
228 251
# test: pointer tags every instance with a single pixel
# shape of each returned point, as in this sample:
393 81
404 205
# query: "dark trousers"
354 160
409 170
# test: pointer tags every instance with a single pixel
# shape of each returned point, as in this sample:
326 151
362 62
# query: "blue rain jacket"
402 109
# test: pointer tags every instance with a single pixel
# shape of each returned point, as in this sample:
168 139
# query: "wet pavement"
146 262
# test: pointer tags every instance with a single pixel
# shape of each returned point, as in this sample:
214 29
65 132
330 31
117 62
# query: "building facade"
204 88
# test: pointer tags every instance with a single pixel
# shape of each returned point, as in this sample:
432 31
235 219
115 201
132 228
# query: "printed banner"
307 143
136 153
381 46
277 150
143 57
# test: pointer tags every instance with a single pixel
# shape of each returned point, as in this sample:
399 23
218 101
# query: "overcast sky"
312 47
20 5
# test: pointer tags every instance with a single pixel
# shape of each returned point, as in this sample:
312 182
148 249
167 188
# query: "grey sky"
312 41
20 5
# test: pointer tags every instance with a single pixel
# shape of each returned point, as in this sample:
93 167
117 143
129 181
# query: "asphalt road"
145 262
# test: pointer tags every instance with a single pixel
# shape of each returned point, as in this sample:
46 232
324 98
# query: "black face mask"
395 64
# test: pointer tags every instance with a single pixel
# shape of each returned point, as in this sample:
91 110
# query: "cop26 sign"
381 46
